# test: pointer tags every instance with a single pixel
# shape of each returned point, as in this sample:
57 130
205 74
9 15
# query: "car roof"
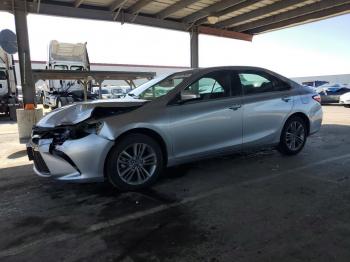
216 68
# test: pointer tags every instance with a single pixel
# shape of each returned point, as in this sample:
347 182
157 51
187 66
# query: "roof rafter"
340 9
77 3
116 4
290 14
210 9
258 12
135 8
231 9
174 8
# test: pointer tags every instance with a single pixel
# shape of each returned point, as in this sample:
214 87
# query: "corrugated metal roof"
243 15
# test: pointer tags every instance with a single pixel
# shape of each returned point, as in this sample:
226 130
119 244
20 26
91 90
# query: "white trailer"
65 57
8 85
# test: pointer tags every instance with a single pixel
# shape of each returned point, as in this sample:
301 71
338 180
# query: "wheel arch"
145 131
302 116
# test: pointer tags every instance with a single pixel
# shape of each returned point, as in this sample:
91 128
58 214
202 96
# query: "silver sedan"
171 120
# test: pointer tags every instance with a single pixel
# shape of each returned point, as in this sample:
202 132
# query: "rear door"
267 101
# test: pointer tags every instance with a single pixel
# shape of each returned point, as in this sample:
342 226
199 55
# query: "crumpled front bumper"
80 160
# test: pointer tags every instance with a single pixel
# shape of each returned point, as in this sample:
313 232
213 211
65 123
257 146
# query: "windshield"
61 67
76 68
2 75
159 86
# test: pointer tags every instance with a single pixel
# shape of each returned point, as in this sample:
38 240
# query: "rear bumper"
80 160
315 117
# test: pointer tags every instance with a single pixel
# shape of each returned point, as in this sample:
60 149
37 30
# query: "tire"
293 136
127 172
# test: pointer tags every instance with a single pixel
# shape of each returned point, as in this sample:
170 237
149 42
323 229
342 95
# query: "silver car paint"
190 131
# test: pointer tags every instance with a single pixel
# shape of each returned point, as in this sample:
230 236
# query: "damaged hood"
76 113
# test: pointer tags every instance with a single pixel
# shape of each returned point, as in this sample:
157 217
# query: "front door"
211 122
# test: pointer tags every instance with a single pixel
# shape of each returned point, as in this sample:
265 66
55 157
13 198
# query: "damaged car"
171 120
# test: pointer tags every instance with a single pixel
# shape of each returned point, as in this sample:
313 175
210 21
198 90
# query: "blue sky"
317 48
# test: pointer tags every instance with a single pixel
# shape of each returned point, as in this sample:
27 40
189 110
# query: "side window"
211 86
255 83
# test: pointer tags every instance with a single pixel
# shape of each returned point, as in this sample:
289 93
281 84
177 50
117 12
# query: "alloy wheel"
136 163
295 136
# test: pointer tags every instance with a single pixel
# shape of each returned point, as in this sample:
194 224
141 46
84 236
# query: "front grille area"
40 163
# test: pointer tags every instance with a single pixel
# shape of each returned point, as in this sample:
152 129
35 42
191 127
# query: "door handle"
286 99
235 107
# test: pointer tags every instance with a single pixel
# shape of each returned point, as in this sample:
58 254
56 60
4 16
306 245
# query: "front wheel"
293 137
134 163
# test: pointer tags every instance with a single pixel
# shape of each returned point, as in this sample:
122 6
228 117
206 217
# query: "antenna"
8 41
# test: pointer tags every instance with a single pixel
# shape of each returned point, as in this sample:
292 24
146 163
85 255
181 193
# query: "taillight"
317 98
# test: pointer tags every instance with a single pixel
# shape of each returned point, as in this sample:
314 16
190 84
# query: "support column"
28 116
194 48
28 87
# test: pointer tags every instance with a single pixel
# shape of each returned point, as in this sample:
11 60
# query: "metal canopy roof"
238 19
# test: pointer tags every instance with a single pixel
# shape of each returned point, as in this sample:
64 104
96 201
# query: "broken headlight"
76 132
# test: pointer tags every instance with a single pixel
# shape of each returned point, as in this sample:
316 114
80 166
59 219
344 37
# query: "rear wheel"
293 137
347 106
134 163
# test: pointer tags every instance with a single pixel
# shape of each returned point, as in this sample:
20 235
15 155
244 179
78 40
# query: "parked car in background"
315 83
105 93
109 91
174 119
345 99
119 92
330 93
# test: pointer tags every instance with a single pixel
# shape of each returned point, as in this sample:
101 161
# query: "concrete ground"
258 206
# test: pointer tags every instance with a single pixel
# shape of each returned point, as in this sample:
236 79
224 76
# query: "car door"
267 101
210 123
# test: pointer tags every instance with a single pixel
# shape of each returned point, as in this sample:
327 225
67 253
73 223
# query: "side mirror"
185 96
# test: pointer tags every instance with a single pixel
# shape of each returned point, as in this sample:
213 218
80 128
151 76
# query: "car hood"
79 112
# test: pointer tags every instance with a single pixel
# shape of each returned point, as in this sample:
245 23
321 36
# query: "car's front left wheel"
135 162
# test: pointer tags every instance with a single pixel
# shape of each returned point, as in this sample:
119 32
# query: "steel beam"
231 9
318 6
258 12
40 74
341 9
77 3
174 8
28 87
136 8
194 48
209 10
224 33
